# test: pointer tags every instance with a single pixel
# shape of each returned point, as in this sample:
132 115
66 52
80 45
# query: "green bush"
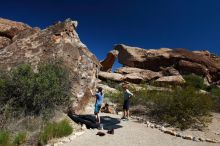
115 97
35 93
4 138
181 107
215 92
194 81
55 130
19 138
7 139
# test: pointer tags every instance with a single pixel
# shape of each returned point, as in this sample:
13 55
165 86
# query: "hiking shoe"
125 119
111 131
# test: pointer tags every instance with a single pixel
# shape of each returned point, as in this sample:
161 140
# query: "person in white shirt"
127 96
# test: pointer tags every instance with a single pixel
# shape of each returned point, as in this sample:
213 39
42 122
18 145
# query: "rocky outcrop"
10 28
109 61
139 74
145 59
176 80
134 78
169 71
192 67
201 63
57 42
111 76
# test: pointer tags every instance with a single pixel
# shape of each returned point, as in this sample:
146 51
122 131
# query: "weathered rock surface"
169 71
109 61
4 42
10 28
111 76
171 79
134 78
146 75
57 42
141 58
201 63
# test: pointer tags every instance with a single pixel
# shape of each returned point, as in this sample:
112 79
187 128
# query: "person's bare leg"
97 118
123 113
128 114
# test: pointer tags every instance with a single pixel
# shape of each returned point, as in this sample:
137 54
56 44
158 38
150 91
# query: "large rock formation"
201 63
23 44
109 61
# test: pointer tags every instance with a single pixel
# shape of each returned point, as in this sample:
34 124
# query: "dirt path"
130 133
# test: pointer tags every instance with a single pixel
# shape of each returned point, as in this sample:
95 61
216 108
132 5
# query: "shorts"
97 108
126 104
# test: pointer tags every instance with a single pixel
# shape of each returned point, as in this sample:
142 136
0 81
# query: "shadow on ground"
108 122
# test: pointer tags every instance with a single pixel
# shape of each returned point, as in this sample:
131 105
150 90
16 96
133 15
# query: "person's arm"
93 94
130 94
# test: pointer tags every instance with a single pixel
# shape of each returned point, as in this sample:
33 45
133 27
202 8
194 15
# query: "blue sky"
191 24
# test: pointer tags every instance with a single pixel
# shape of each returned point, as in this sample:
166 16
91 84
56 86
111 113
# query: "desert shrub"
35 93
115 97
55 130
8 139
19 138
182 107
51 87
215 92
194 81
4 138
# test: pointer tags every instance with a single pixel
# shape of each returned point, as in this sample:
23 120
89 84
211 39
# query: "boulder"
192 67
108 62
133 78
57 42
111 76
145 59
145 75
171 80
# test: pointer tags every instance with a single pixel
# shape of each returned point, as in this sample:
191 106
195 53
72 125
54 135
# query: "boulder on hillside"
153 59
176 80
145 75
108 62
192 67
111 76
57 42
134 78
